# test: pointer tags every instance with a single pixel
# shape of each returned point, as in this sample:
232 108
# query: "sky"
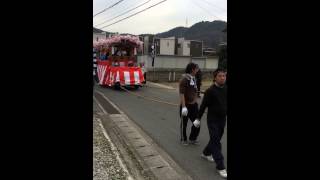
160 18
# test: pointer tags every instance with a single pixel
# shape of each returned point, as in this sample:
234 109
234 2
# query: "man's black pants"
216 130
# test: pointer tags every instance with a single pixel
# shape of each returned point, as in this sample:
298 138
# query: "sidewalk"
141 156
105 163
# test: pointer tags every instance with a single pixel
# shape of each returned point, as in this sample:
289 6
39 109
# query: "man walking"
189 105
215 98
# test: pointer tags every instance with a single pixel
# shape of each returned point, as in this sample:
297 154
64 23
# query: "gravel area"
105 163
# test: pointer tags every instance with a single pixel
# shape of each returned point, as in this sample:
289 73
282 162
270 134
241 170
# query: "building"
207 51
165 46
98 34
183 47
172 46
189 48
147 43
196 48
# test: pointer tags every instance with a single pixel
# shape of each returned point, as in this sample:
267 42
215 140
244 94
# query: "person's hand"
196 123
184 111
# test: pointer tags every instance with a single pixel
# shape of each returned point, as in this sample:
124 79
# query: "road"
161 122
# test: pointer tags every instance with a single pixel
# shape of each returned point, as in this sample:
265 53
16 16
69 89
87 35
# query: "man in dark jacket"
215 98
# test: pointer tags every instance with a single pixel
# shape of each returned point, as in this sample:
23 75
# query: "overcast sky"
161 18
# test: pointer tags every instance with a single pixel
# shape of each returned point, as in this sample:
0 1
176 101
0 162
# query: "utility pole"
154 52
186 22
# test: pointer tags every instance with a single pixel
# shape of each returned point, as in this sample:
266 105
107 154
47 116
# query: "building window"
188 45
179 45
168 44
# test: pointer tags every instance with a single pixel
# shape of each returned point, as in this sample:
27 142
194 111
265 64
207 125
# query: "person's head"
192 69
219 76
116 62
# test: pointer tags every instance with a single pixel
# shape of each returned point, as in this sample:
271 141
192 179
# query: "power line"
133 14
108 8
110 19
205 10
120 8
114 11
217 7
124 13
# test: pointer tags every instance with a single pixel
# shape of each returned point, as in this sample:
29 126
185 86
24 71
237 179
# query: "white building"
189 47
97 36
183 47
167 46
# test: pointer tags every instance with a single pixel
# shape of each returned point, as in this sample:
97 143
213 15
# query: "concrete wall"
165 62
166 75
201 62
178 62
212 62
170 68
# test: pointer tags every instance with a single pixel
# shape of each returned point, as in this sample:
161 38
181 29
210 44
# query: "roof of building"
96 30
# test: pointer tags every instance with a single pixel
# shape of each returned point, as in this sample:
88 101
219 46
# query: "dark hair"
190 67
215 73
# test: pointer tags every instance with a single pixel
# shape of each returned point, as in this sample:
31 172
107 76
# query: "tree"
222 56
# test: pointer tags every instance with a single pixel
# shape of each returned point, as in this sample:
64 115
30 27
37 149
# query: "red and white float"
119 69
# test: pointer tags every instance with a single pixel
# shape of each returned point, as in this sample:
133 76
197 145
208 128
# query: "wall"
201 62
170 66
212 62
178 62
167 75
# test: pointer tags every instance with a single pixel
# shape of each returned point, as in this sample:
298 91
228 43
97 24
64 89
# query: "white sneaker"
223 173
185 143
195 142
209 158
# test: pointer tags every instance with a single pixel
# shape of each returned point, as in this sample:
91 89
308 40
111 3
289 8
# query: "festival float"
117 61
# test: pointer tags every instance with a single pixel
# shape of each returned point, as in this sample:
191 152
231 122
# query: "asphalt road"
161 122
